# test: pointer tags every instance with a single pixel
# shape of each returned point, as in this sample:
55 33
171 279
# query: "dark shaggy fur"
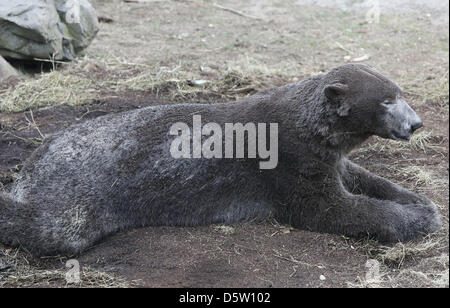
116 172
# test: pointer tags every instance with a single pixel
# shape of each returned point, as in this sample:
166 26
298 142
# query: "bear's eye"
387 102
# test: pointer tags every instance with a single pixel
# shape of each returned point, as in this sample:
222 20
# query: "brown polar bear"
117 172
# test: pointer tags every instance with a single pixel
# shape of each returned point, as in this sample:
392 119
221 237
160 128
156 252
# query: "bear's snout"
416 126
401 120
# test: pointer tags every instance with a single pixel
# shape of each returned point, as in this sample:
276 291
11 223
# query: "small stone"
227 230
361 59
198 83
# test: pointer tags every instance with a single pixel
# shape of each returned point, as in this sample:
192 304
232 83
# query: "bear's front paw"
407 222
420 219
429 215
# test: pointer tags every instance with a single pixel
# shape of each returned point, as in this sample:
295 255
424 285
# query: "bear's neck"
318 125
331 133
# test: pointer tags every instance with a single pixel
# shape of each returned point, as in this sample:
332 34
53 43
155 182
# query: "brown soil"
292 42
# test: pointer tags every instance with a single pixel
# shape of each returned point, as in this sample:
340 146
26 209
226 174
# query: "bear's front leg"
386 220
358 180
328 207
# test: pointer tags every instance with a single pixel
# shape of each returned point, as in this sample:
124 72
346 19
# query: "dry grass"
24 272
429 273
89 279
422 179
396 255
180 85
425 141
406 264
48 89
431 91
437 276
74 84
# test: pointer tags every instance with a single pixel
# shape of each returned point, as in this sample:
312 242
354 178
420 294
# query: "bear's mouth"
398 136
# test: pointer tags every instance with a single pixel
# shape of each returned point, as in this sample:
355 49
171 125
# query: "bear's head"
369 103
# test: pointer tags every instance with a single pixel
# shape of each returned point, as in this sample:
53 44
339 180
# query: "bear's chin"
394 135
399 137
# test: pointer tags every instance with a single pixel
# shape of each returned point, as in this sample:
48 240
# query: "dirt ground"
168 52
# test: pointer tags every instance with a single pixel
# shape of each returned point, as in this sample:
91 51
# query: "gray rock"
46 29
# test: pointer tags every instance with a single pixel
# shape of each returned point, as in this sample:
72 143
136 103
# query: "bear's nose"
415 126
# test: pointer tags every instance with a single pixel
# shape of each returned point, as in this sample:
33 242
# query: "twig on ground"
339 45
35 125
235 11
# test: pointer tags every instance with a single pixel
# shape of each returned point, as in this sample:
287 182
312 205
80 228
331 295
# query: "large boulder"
46 29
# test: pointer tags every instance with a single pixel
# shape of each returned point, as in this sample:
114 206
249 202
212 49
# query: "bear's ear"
336 90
